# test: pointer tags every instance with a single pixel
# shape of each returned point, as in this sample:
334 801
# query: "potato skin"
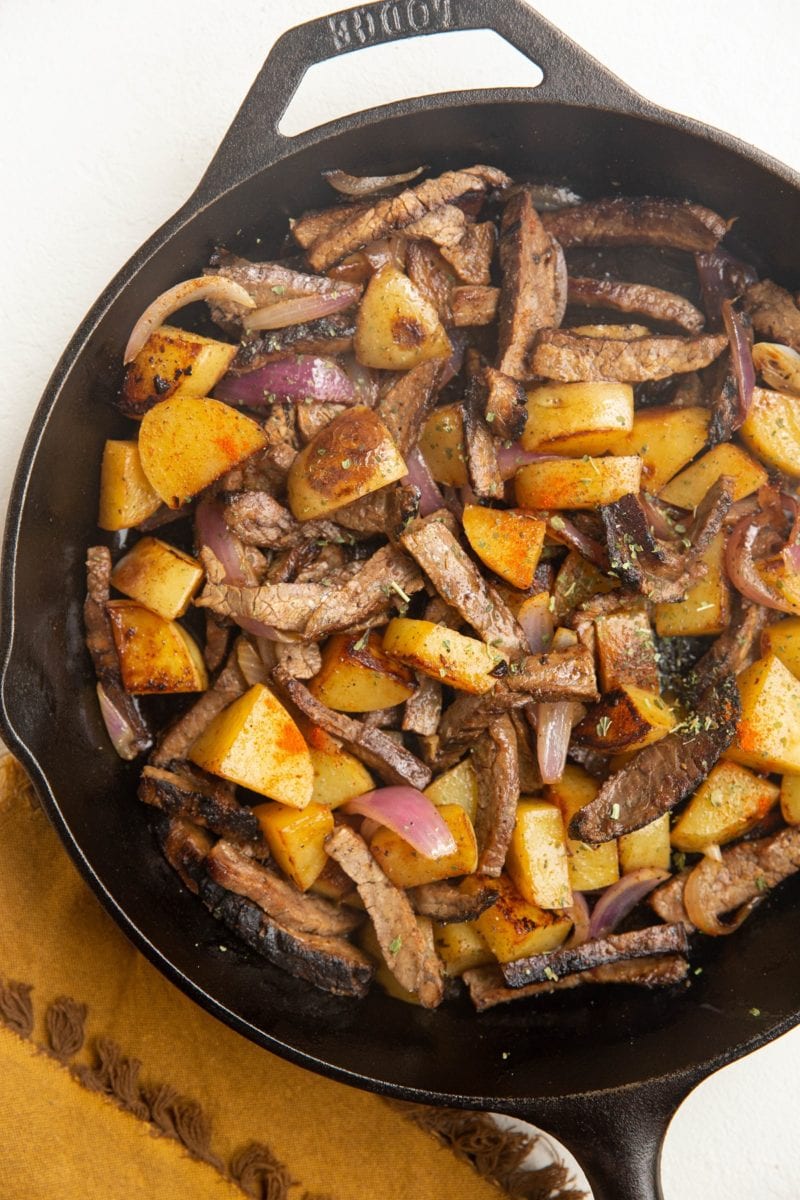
126 496
173 362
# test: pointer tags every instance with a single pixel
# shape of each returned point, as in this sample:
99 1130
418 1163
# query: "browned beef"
258 519
217 642
748 871
326 336
667 901
175 743
430 275
530 779
471 257
661 775
391 761
301 660
208 802
423 711
286 565
460 583
285 606
396 212
479 446
474 305
504 404
640 298
311 225
487 987
185 847
443 226
534 291
572 357
733 650
445 901
617 947
496 764
408 956
381 586
328 561
626 648
279 898
723 400
386 511
774 313
637 221
265 282
382 718
406 405
311 418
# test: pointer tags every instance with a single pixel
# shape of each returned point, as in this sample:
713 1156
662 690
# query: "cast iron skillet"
604 1070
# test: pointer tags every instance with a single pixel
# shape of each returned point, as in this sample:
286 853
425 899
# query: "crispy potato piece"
646 847
628 718
406 867
441 444
768 735
460 947
348 458
772 430
728 802
396 327
783 639
186 443
358 676
688 489
459 786
507 541
159 576
173 362
256 743
296 839
790 799
590 867
707 606
564 410
155 655
126 497
783 582
537 856
452 658
576 483
338 775
513 927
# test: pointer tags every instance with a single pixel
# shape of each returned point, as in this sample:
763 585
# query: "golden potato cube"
441 444
564 410
772 430
768 735
459 785
186 443
576 482
155 655
338 775
590 867
453 658
628 718
460 947
782 581
646 847
357 676
173 362
513 927
790 799
537 855
159 576
728 802
396 327
348 458
507 541
256 743
126 497
688 489
783 640
707 607
406 867
296 839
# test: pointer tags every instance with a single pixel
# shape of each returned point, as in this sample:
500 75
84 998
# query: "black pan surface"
592 1066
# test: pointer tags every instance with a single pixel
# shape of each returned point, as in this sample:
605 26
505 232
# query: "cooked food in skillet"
491 604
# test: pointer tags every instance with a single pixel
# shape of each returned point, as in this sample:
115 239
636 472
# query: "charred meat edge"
617 947
571 357
210 803
774 313
637 221
496 762
487 988
445 902
640 298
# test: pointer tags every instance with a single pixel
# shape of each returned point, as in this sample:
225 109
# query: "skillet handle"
616 1136
570 75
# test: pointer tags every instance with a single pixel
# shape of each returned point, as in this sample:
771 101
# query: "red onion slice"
363 380
453 364
536 620
212 531
741 565
619 899
410 814
124 738
300 377
367 185
553 730
251 664
567 532
511 458
581 920
300 309
419 475
722 277
741 356
207 287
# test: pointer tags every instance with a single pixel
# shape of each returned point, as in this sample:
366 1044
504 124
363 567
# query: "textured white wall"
111 111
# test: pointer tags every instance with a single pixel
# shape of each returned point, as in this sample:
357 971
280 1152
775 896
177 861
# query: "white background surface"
110 113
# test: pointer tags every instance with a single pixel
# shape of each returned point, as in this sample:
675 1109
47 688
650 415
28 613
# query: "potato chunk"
357 676
296 839
126 497
564 410
396 327
768 735
459 785
174 363
513 927
629 718
155 655
537 855
406 867
576 482
460 947
646 847
441 444
790 799
186 443
350 457
338 775
462 662
688 489
783 639
728 802
256 743
772 430
159 576
707 606
507 541
590 867
782 581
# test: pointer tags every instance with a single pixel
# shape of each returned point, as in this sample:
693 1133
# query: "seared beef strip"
217 642
259 520
639 298
285 606
379 587
471 257
423 711
185 847
480 448
175 743
667 901
206 801
626 648
617 947
427 270
386 511
576 358
311 225
487 988
534 291
301 660
443 226
664 773
446 902
279 898
774 313
723 400
636 221
413 963
396 212
741 881
496 763
326 336
504 403
406 405
474 305
733 650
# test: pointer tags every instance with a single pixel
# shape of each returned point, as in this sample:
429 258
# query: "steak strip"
175 743
636 221
487 989
406 405
382 584
327 335
444 902
617 947
733 650
774 313
571 357
641 299
496 763
258 519
479 445
741 881
209 803
185 847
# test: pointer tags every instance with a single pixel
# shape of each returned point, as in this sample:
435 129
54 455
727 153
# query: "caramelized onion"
581 920
778 366
511 458
207 287
619 899
742 567
367 185
419 475
212 531
738 332
298 377
124 738
300 309
410 814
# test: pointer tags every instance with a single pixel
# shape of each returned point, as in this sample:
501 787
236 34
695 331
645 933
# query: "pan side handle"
616 1135
570 75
